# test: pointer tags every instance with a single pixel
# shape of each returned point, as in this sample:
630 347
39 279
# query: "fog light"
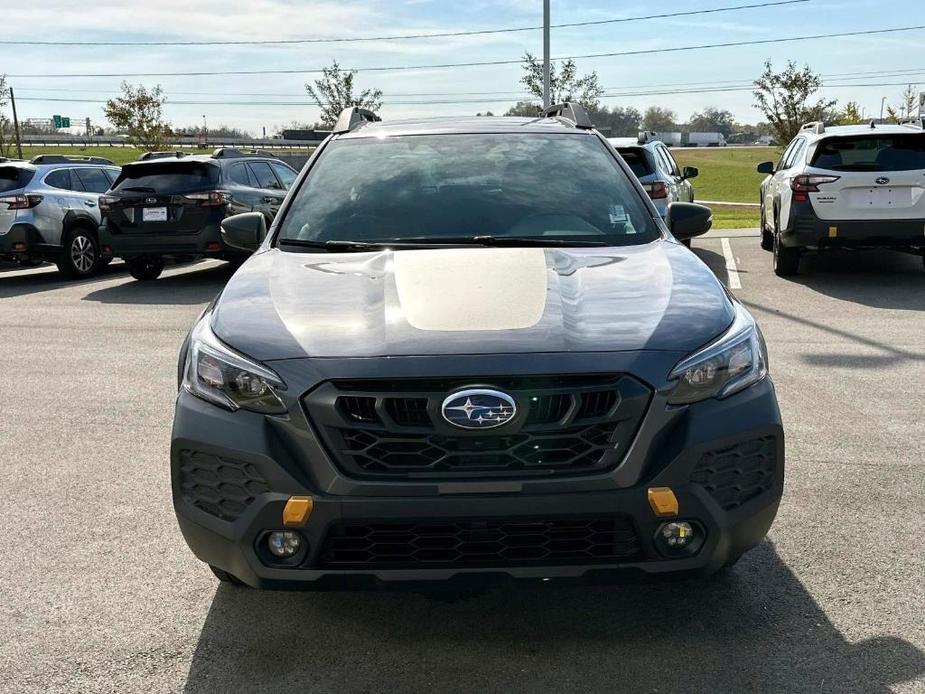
678 538
284 544
212 246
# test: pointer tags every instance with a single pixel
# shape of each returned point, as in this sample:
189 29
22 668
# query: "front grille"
221 487
393 429
480 543
739 473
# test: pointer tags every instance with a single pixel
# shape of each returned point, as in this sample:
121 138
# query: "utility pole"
546 54
16 124
882 102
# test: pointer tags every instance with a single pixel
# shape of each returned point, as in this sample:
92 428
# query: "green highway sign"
61 121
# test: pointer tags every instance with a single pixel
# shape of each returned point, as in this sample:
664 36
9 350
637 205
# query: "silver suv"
49 211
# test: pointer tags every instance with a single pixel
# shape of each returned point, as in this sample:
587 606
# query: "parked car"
48 211
852 186
170 205
656 169
470 351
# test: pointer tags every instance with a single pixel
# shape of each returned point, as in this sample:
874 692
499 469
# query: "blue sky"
842 60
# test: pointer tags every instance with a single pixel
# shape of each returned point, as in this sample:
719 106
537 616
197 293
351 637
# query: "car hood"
657 296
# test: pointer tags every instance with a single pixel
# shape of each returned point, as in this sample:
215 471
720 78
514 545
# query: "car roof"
854 130
462 125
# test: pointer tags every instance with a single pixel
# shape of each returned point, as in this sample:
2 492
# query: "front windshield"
564 187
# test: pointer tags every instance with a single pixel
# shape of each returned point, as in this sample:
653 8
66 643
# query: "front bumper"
806 229
252 464
207 242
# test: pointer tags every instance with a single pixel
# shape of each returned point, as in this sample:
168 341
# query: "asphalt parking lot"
101 594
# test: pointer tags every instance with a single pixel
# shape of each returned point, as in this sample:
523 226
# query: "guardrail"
108 141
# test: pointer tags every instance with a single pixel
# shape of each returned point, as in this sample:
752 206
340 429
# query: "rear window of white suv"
871 153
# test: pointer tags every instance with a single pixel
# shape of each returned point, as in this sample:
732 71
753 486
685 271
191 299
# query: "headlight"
225 378
735 361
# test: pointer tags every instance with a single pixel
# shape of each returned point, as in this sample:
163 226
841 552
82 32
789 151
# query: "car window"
283 173
94 180
661 161
60 178
112 174
671 162
783 158
239 174
556 186
167 177
871 153
796 156
637 160
13 177
790 156
264 175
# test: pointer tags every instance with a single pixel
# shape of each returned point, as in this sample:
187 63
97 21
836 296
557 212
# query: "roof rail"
147 156
646 136
817 126
234 153
570 112
66 159
351 117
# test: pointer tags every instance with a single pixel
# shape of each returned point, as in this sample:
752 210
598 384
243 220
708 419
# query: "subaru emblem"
150 200
478 408
883 180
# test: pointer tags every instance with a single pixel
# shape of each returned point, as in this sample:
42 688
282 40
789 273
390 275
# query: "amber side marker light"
297 511
663 502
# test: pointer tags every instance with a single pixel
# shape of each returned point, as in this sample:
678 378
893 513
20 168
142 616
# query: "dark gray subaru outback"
471 352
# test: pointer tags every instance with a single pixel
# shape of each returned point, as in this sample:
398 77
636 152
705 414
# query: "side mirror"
690 172
766 167
245 231
687 220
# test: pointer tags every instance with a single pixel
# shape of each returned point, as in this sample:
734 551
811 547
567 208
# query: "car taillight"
801 185
656 191
20 202
106 202
212 198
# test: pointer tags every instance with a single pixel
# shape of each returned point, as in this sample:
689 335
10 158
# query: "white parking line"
731 270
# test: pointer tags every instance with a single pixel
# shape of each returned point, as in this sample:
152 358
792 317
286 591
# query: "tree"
527 109
139 112
712 120
618 121
4 124
784 98
659 119
907 105
564 82
334 92
850 114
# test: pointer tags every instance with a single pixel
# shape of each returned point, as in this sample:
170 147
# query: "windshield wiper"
537 241
437 242
139 189
347 245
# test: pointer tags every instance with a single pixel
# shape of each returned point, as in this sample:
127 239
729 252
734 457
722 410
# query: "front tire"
145 268
81 255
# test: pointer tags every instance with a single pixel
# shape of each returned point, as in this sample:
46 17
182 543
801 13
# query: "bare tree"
564 82
908 103
334 92
784 98
4 122
139 113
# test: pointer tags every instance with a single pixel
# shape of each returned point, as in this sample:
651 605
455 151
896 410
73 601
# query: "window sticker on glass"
617 215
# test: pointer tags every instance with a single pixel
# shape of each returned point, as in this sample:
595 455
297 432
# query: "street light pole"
546 54
205 130
882 102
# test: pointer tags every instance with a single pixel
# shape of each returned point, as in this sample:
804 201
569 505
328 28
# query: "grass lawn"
726 173
117 155
734 217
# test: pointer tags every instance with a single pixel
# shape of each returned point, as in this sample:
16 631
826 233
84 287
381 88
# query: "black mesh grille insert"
221 487
739 473
480 543
394 428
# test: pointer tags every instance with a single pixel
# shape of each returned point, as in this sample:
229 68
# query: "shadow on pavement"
715 261
195 287
19 282
755 628
880 279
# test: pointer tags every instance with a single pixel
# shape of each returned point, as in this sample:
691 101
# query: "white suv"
853 186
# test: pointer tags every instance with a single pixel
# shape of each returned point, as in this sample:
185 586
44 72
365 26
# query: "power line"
621 95
483 63
839 77
399 37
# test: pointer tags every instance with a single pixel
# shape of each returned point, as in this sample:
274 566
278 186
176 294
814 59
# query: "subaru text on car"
469 351
49 212
851 186
171 206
